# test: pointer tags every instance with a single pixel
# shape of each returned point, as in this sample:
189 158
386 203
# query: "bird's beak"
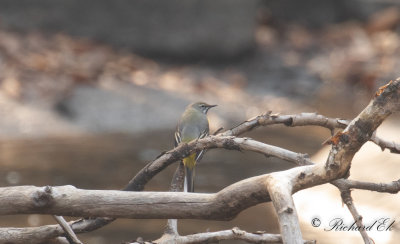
208 108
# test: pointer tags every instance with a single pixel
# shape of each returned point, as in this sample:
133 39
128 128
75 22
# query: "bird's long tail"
189 179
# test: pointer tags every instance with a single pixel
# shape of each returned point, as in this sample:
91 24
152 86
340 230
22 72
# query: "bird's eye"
202 105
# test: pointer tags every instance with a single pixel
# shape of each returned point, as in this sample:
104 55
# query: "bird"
192 125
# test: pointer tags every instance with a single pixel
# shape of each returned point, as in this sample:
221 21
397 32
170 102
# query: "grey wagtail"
192 125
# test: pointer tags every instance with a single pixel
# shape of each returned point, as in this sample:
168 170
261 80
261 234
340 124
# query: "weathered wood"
70 201
281 194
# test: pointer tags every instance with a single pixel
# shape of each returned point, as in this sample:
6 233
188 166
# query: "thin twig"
392 146
346 197
176 186
223 235
344 187
70 234
393 187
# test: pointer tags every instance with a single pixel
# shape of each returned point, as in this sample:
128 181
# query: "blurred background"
90 91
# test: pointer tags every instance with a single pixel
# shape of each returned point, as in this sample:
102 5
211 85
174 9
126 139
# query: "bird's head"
202 106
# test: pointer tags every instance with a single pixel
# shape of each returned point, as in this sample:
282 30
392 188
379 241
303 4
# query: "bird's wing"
201 153
178 138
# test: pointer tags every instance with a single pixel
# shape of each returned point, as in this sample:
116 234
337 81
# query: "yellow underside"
190 161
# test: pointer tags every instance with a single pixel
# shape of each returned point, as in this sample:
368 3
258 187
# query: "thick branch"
49 233
281 195
31 235
69 201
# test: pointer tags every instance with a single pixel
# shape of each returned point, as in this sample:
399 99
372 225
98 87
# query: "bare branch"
303 119
392 146
345 185
281 194
70 201
72 238
233 234
49 233
88 225
346 197
176 186
31 234
393 187
223 196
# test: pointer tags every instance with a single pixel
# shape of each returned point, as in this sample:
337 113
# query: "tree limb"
303 119
281 195
49 233
392 146
233 234
31 234
70 201
176 186
393 187
346 197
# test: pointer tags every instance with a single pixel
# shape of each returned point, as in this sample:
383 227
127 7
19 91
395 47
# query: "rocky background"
91 90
